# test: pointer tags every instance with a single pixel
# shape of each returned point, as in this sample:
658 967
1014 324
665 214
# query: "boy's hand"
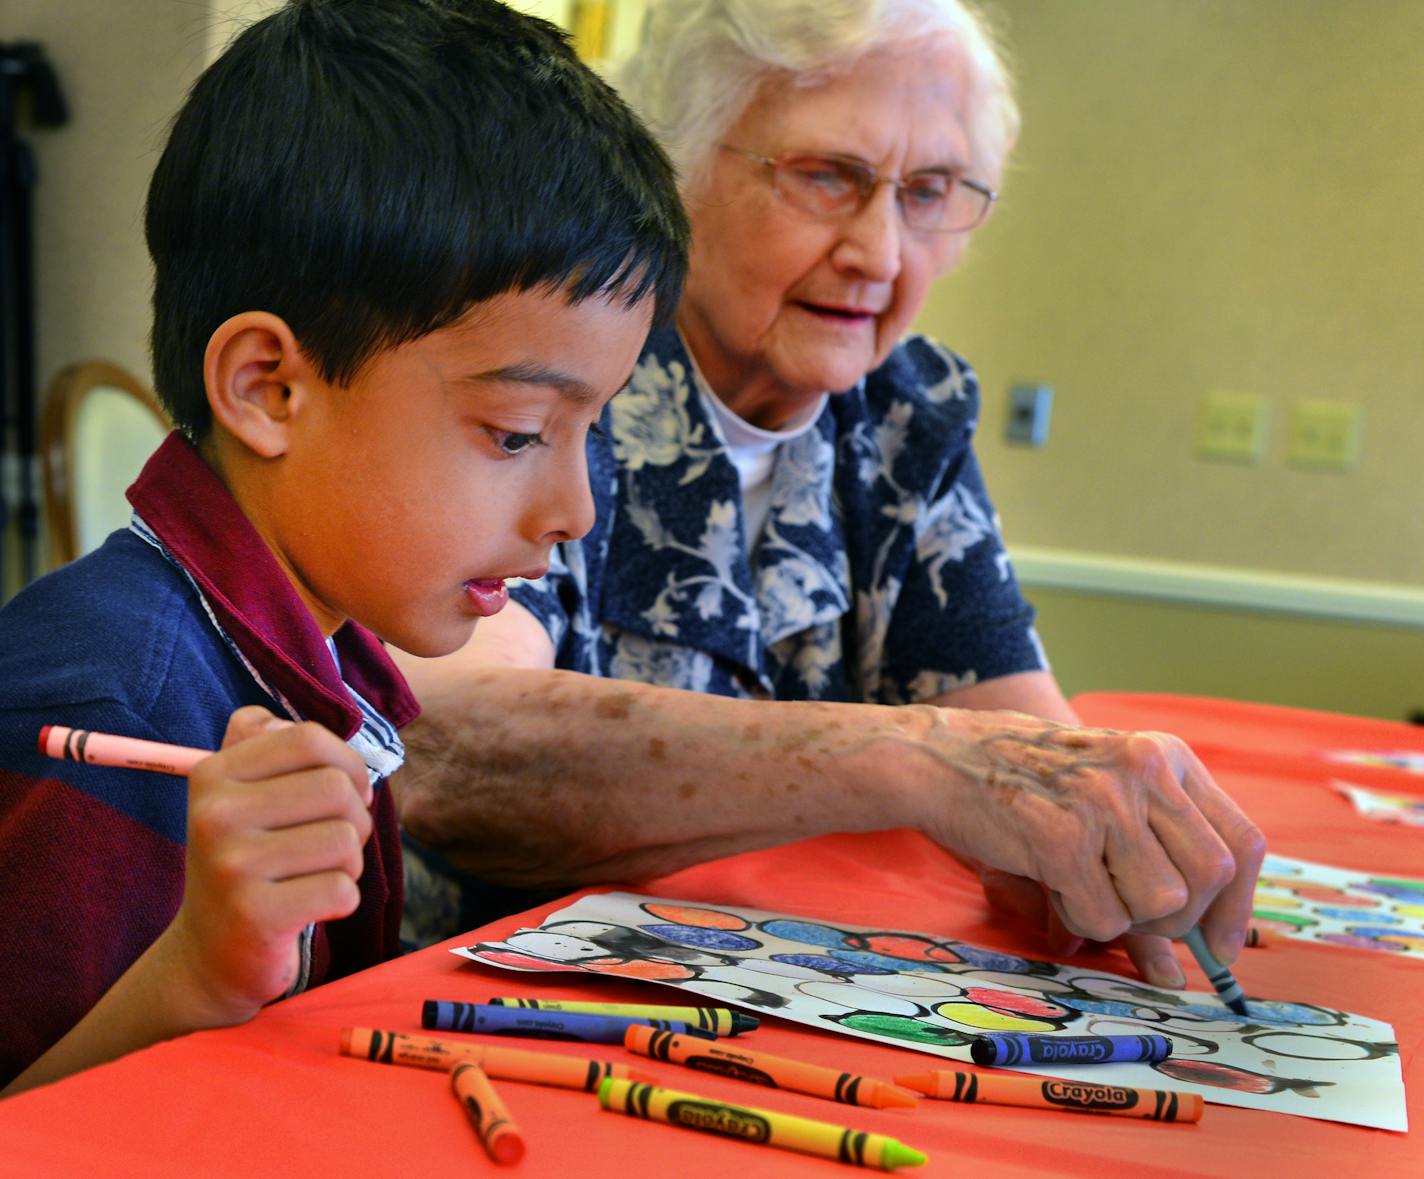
276 822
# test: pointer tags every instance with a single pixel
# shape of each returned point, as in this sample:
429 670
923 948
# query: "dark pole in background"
23 69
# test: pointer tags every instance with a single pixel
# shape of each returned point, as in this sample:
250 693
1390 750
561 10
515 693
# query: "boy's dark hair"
368 169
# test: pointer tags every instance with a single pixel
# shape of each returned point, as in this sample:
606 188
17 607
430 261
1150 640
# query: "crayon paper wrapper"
1404 809
935 995
1341 907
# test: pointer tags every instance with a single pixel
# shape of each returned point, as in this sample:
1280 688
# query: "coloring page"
935 994
1405 809
1341 906
1411 761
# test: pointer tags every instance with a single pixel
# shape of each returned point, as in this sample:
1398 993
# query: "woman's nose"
873 237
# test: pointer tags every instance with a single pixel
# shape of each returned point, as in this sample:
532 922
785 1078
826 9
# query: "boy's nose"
563 508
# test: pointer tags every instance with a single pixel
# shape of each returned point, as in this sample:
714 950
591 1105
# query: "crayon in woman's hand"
720 1021
1220 977
131 753
445 1016
761 1126
1158 1105
762 1068
487 1112
1010 1048
508 1064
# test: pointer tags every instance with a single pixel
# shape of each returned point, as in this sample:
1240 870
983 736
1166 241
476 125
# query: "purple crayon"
446 1016
1010 1048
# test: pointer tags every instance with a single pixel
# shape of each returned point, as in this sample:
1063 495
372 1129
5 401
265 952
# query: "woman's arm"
533 777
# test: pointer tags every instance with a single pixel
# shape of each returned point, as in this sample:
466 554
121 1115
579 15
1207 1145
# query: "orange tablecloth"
275 1098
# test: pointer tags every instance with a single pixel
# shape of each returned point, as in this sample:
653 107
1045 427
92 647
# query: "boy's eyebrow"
529 372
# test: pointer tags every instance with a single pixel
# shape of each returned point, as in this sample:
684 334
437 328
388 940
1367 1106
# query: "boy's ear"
257 379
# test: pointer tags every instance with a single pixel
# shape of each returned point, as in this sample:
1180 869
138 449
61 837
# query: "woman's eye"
512 443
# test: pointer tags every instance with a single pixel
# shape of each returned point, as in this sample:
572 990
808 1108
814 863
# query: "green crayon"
763 1126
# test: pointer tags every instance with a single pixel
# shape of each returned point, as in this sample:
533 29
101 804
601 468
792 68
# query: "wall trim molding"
1340 600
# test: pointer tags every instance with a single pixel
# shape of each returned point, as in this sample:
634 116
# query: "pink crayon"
106 749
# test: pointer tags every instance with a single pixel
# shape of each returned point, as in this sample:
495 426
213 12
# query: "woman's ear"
256 378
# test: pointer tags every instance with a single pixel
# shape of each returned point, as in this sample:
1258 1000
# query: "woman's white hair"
699 63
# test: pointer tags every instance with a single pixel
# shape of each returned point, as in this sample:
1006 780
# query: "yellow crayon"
508 1064
720 1021
487 1112
762 1126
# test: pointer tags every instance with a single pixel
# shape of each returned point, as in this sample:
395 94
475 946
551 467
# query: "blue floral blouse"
880 575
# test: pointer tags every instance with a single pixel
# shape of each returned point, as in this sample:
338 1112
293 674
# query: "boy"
405 252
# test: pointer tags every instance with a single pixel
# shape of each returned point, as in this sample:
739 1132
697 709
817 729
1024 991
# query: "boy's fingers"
249 721
286 748
291 905
333 845
276 803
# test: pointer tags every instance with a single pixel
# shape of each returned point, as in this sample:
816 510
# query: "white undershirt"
753 451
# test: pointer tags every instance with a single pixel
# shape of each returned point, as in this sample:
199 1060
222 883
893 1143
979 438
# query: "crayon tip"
919 1082
507 1148
897 1154
346 1041
742 1022
889 1097
44 738
642 1076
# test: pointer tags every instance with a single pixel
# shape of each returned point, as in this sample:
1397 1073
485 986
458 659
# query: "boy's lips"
487 595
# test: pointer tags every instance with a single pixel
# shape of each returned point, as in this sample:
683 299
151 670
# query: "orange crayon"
762 1068
1158 1105
487 1113
106 749
508 1064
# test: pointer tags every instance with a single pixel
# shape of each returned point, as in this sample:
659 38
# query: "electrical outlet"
1030 407
1325 435
1232 426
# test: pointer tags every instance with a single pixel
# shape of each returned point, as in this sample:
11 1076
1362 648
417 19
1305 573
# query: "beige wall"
1209 194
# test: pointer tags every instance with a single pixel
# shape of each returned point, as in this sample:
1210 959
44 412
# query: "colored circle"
971 1015
1012 1003
703 939
702 918
897 1027
828 965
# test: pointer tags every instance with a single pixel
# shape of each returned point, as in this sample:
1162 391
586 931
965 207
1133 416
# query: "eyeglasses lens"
828 187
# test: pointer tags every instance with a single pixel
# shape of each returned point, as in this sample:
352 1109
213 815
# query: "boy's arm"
276 822
543 778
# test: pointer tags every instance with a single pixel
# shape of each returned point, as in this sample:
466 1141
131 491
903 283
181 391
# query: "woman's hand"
1126 833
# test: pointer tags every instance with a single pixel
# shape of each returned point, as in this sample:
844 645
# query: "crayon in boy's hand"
1158 1105
507 1064
762 1068
1010 1048
107 749
761 1126
487 1112
720 1021
446 1016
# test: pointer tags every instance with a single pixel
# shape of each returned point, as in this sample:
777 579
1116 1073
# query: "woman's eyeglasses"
832 186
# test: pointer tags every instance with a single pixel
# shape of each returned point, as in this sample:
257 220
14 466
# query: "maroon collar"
187 506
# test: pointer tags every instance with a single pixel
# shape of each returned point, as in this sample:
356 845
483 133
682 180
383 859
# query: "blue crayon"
1221 979
444 1016
1009 1048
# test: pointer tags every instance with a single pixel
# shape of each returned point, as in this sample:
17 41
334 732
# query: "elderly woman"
793 526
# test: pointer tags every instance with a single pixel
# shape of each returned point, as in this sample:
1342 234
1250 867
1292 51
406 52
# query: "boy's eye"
512 443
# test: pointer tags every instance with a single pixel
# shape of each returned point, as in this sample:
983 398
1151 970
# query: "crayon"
507 1064
131 753
1009 1048
487 1113
1221 979
762 1068
441 1015
762 1126
720 1021
1258 936
1158 1105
